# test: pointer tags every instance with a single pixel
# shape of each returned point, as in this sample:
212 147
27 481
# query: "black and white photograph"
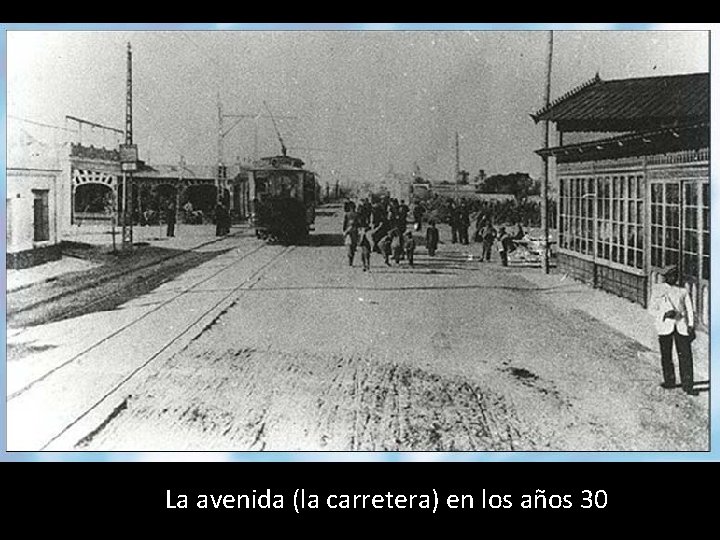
358 241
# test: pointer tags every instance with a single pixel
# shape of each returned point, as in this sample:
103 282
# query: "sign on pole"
128 157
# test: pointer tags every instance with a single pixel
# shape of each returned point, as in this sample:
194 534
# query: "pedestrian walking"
385 248
393 213
488 235
227 221
454 219
403 212
503 240
221 220
378 233
672 311
418 212
350 217
365 247
350 237
379 214
396 245
463 223
480 223
364 212
410 248
171 221
432 237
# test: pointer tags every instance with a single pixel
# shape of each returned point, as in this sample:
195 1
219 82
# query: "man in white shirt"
672 310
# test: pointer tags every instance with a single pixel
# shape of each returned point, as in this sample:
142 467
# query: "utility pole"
544 186
179 187
256 151
219 172
128 158
220 178
457 163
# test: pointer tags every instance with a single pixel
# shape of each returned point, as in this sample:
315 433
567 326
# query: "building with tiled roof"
632 104
632 173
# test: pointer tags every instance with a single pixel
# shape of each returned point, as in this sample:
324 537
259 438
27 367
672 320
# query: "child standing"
351 239
365 247
431 238
410 247
502 241
396 245
384 245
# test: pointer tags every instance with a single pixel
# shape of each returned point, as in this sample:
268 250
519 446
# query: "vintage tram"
282 199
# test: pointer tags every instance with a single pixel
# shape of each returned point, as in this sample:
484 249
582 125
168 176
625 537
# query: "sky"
359 101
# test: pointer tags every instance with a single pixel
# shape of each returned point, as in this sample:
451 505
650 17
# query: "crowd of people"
382 227
523 211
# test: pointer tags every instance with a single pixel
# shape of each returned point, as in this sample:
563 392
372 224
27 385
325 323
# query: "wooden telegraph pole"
128 161
544 186
179 187
219 176
457 163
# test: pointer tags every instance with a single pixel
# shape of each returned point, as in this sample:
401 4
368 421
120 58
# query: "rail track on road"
85 287
183 331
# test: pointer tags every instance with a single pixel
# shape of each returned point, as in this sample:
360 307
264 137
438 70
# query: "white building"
33 197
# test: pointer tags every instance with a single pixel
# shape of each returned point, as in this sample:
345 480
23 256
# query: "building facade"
96 187
33 194
32 207
632 174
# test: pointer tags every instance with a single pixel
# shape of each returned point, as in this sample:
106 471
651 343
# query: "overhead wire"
223 67
14 117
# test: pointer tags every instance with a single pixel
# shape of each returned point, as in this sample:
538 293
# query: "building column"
647 232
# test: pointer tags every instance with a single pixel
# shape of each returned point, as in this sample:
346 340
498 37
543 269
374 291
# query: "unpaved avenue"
80 362
452 355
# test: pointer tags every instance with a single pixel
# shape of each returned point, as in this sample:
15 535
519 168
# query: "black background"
123 496
81 499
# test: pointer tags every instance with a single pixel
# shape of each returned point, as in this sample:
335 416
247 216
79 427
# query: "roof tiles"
651 101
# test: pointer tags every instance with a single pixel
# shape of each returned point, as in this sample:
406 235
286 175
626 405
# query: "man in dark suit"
171 220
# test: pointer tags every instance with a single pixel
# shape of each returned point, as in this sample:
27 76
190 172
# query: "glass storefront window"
611 229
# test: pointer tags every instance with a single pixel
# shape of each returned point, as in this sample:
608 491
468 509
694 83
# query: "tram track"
125 327
220 307
189 331
85 287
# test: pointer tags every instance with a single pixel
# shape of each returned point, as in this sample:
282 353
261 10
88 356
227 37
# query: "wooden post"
457 163
177 190
544 186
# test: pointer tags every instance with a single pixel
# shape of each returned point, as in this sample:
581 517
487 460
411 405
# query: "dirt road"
304 353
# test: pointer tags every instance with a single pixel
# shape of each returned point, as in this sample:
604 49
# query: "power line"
41 123
92 124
